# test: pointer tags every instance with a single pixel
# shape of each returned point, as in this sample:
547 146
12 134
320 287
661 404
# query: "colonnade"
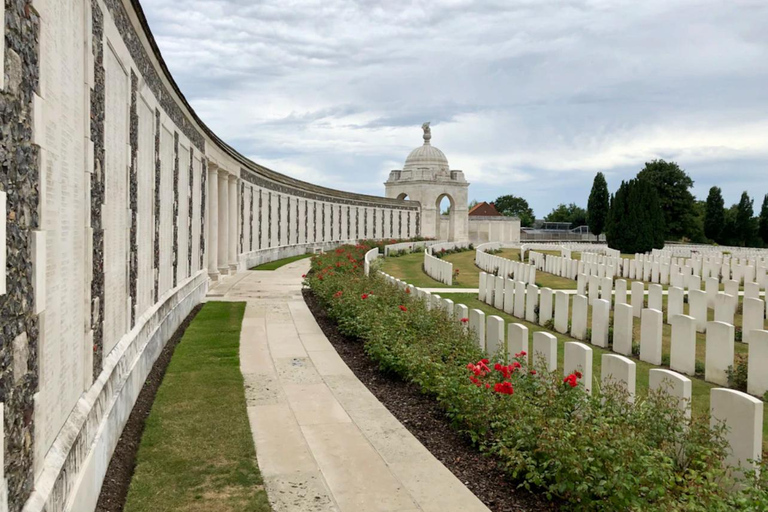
222 222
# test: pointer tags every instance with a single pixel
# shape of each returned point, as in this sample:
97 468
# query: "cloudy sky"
528 97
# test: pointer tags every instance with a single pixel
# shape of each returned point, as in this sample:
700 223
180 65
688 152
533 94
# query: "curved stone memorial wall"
121 206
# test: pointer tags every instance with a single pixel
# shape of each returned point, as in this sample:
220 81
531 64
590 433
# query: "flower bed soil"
114 489
422 416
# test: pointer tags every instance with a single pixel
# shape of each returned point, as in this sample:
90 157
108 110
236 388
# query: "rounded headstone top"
426 157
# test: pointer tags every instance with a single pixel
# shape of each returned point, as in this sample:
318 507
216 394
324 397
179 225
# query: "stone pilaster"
213 222
233 236
223 221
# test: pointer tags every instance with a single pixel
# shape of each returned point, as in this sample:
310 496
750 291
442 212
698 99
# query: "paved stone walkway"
323 441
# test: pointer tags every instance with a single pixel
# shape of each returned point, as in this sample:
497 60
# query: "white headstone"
561 312
517 340
461 312
509 296
545 306
711 286
621 292
757 365
623 329
601 317
674 384
477 327
743 417
697 308
531 303
594 288
650 336
620 370
579 317
682 357
447 305
675 300
752 320
494 336
545 350
638 298
498 294
606 290
578 357
654 297
520 299
723 308
720 342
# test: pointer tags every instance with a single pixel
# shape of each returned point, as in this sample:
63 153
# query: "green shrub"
737 373
594 452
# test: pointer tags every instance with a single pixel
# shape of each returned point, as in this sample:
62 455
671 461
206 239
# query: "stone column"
223 221
212 210
234 237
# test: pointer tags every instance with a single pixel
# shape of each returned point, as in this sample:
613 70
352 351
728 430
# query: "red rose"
464 320
337 294
403 308
364 296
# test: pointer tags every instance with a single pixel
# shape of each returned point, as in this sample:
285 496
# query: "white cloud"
529 97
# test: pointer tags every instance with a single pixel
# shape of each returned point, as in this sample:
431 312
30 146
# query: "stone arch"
403 196
450 232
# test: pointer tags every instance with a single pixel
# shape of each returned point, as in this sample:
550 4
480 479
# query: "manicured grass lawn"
273 265
409 268
197 452
699 389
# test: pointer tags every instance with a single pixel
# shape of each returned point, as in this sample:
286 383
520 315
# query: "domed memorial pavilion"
427 177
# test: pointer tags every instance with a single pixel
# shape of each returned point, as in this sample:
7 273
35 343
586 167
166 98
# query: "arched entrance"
445 225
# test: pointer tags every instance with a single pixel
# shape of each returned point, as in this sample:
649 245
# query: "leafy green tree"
696 233
746 228
763 223
714 217
635 222
598 204
572 213
673 186
513 206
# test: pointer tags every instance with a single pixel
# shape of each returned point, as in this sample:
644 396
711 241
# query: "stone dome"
426 157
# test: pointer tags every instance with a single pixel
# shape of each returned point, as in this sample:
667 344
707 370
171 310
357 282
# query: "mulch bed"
114 490
422 416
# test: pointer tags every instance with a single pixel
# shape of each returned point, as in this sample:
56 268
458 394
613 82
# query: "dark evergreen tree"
714 216
635 221
745 224
763 225
673 186
597 206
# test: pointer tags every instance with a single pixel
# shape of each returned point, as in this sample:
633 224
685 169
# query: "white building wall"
146 193
116 214
63 354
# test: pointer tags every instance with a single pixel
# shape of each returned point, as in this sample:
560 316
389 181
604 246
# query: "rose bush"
595 452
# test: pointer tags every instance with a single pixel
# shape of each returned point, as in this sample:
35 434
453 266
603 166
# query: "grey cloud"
536 95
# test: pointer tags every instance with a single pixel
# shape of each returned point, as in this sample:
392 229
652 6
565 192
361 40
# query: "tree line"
655 206
658 205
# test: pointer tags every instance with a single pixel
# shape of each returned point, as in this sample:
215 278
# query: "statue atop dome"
427 132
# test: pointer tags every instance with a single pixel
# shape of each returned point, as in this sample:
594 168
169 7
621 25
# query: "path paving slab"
323 440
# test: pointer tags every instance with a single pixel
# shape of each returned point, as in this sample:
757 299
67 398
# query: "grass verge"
274 265
197 453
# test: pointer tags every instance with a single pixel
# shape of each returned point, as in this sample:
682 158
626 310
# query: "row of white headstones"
741 413
658 268
542 305
437 268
